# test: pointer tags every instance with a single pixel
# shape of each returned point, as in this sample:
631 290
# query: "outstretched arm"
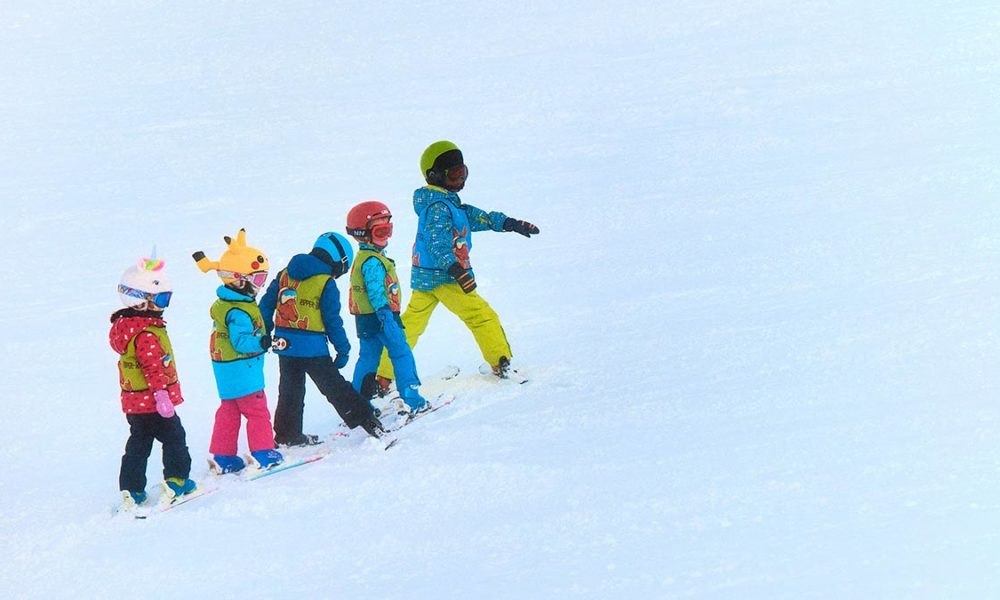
481 220
497 221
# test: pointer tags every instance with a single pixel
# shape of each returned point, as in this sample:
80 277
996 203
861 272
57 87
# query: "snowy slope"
761 319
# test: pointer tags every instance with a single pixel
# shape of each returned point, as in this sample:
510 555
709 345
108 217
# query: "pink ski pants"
227 424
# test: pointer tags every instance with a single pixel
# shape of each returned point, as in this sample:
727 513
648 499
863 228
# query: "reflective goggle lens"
459 173
382 231
162 299
258 278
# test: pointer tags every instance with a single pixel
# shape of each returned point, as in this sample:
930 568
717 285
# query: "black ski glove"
523 227
463 277
265 342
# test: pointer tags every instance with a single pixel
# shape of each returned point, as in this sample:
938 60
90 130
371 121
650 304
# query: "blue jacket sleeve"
242 334
329 306
481 220
374 274
268 303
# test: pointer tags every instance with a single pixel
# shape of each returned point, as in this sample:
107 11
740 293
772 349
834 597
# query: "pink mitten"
163 404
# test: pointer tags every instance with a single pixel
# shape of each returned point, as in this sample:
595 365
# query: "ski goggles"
257 278
381 231
456 174
161 299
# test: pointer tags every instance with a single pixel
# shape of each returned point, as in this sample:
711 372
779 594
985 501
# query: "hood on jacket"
304 266
128 323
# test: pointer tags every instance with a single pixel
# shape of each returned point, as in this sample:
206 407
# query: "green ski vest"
221 348
358 299
130 375
298 302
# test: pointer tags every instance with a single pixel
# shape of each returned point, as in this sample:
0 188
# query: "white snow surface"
760 321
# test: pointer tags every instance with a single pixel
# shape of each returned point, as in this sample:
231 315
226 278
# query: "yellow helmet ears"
238 259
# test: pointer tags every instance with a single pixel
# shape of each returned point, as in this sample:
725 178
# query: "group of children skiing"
298 318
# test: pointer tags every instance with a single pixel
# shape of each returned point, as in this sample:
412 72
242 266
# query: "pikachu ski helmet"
238 263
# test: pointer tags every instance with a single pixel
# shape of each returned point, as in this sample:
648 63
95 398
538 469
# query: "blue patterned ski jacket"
444 235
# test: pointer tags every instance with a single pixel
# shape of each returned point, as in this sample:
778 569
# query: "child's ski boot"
384 386
413 402
222 464
370 389
178 486
373 427
503 370
306 439
132 504
130 500
265 459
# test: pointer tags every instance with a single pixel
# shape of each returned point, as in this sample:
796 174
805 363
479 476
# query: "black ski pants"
144 429
351 407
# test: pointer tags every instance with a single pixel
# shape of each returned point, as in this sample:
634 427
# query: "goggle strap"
340 248
147 296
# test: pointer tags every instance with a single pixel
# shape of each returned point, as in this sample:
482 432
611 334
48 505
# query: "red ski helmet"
359 222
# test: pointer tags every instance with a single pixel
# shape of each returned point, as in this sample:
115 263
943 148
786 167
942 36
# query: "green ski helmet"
438 158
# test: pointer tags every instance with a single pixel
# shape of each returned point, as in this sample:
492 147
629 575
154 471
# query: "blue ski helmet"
334 249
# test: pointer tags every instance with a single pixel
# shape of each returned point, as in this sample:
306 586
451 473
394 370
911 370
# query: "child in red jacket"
148 378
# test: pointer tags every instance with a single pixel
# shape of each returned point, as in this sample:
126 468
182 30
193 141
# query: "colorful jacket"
379 286
444 235
243 375
133 338
305 339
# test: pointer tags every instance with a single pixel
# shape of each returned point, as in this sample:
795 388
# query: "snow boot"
222 464
179 486
266 459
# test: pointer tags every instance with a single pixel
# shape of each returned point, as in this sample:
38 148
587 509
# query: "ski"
392 402
262 473
177 501
440 402
449 372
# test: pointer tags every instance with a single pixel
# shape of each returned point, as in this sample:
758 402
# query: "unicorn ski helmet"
145 281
